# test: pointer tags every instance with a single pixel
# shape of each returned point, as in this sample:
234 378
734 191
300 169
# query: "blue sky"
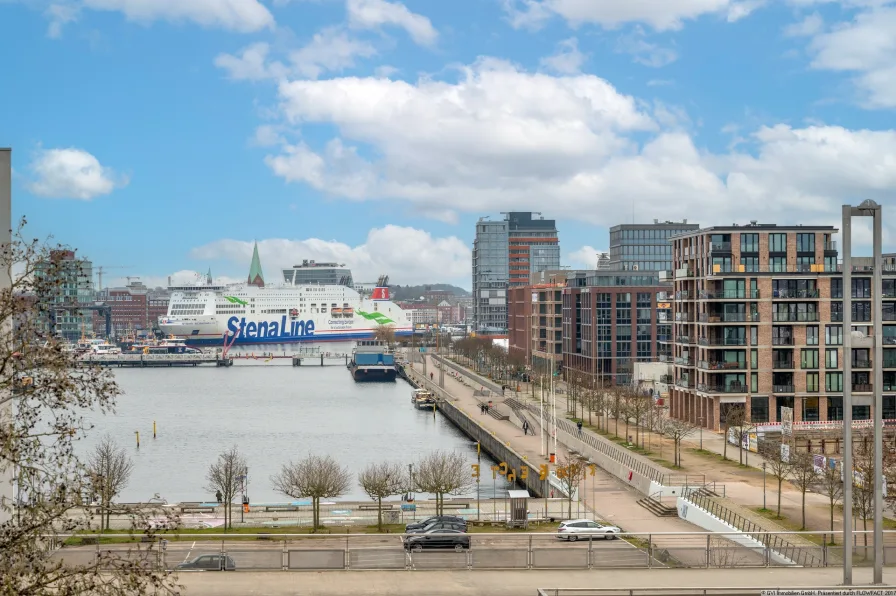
165 136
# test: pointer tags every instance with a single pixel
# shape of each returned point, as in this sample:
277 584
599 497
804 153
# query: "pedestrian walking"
579 425
431 376
525 427
219 497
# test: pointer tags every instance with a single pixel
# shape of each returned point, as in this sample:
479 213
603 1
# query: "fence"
740 591
306 552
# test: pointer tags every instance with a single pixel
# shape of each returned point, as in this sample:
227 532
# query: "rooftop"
754 226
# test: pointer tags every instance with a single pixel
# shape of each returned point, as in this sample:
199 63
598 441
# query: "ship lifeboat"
293 313
336 311
348 312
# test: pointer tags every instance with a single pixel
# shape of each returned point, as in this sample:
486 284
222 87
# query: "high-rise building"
758 314
69 284
645 247
506 253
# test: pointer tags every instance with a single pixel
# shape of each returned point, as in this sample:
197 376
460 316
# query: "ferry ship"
315 302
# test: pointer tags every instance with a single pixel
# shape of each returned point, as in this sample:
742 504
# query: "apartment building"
645 247
757 322
534 323
134 307
612 319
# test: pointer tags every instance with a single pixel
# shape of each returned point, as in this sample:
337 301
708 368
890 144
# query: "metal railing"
684 361
729 295
684 339
730 317
799 555
782 388
793 294
782 341
722 341
795 317
712 388
783 364
722 365
703 591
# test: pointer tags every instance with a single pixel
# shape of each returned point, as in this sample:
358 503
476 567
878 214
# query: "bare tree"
314 477
803 475
46 392
677 430
734 418
658 423
443 473
109 470
381 481
638 405
385 334
778 465
830 484
863 485
227 475
571 472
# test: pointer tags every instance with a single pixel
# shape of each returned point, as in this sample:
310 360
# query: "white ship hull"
284 314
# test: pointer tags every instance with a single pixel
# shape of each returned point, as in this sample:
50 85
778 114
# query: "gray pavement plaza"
499 583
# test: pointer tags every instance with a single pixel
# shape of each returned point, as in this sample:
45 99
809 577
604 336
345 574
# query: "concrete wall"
702 518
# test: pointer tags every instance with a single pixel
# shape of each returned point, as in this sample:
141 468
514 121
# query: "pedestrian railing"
534 550
702 591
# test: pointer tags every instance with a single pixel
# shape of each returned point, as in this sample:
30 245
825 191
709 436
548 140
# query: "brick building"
134 307
612 319
534 325
757 322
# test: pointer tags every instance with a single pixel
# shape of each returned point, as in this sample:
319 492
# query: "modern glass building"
506 253
645 247
70 283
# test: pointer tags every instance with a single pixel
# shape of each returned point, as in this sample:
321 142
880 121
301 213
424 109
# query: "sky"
164 137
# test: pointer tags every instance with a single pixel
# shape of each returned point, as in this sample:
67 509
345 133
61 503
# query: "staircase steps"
657 508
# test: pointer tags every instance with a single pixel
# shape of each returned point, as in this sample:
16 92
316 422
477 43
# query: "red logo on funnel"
381 293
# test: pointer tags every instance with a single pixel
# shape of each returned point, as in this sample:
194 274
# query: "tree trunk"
804 510
832 521
780 481
725 444
379 514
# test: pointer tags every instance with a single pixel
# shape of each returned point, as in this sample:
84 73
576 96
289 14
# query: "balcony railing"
792 294
809 365
686 383
783 363
722 365
861 387
812 268
782 388
730 295
889 362
720 246
661 296
684 361
729 317
684 272
723 341
664 337
730 388
795 317
682 295
664 357
831 245
836 317
684 317
782 341
861 363
684 339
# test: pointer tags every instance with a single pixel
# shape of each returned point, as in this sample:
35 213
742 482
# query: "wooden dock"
155 360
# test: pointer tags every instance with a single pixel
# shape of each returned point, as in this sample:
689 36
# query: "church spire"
256 277
208 276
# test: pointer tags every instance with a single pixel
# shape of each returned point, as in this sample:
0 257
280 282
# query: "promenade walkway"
607 497
501 583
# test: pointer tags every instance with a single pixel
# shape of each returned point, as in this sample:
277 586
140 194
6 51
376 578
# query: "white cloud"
59 16
331 49
567 59
407 255
72 174
865 46
584 258
644 52
371 14
244 16
660 15
501 138
809 26
185 277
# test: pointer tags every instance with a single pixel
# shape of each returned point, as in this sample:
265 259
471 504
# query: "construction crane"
102 269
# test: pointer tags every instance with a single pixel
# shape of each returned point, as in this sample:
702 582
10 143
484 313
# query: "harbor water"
273 412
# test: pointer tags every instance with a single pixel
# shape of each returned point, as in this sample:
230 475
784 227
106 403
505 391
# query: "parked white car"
585 529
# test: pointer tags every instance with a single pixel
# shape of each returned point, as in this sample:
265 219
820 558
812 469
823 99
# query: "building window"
754 382
749 243
758 409
861 312
861 288
833 382
833 335
777 264
812 335
754 359
837 287
830 358
835 408
812 382
805 242
777 242
750 263
809 358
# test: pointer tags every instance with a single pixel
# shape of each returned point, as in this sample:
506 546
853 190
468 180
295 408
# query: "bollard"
153 429
138 439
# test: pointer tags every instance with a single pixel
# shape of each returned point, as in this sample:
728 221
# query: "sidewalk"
607 497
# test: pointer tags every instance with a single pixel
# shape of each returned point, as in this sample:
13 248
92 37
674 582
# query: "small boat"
424 400
104 348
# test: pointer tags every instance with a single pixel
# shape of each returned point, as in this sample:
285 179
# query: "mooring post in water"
153 429
138 438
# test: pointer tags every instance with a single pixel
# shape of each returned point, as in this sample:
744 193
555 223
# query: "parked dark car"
209 563
438 539
422 524
440 525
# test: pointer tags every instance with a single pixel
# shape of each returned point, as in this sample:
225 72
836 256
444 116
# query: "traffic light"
475 470
524 472
543 472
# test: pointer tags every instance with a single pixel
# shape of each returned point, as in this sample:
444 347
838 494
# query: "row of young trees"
317 477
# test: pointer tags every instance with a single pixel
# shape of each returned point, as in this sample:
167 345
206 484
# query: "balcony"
782 389
730 388
684 339
723 341
809 365
889 362
684 361
683 273
782 341
663 296
722 365
730 295
684 317
861 387
782 363
664 357
720 247
795 317
861 363
831 245
682 295
666 276
664 338
685 383
794 294
836 317
667 379
729 317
